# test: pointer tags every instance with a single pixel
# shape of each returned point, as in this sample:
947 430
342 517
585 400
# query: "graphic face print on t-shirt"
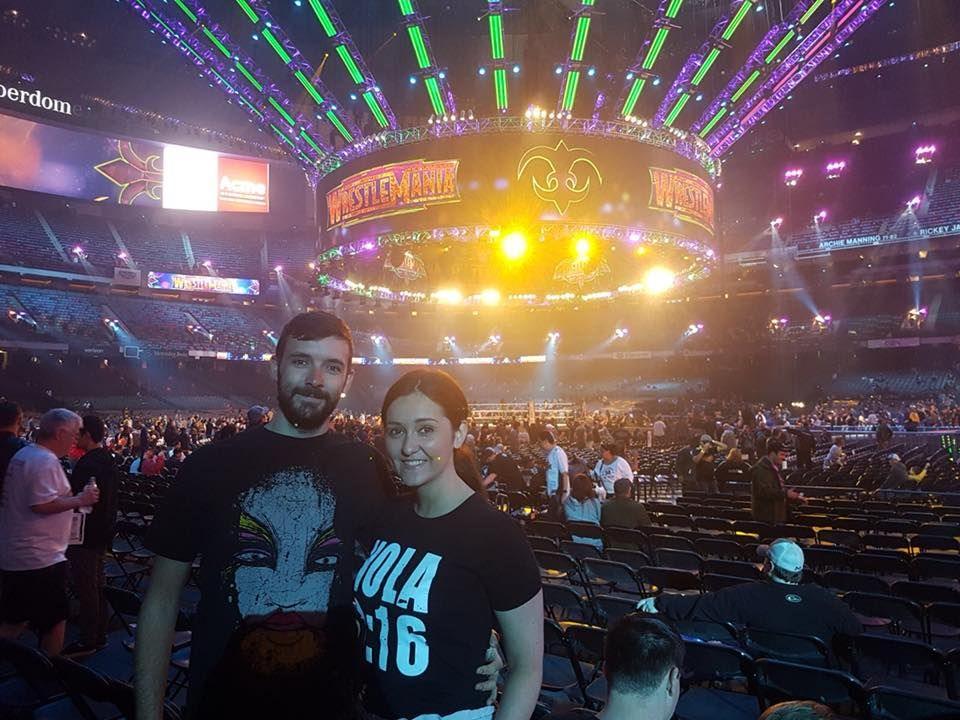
284 569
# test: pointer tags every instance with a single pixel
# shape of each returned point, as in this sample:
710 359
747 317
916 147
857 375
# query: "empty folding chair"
896 526
36 684
86 687
547 528
538 542
710 662
880 564
712 582
855 524
586 642
879 658
611 608
888 703
561 670
846 581
821 558
719 548
671 542
936 543
941 528
713 524
921 592
562 603
708 631
943 624
751 527
733 568
634 558
887 542
800 533
926 567
579 550
843 538
886 613
559 567
778 681
624 538
789 647
658 579
614 576
678 559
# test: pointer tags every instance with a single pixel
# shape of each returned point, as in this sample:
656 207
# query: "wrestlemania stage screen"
516 181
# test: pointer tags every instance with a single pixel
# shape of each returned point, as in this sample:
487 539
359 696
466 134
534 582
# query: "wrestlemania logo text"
683 195
392 189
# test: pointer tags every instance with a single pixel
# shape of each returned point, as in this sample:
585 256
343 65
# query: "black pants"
86 572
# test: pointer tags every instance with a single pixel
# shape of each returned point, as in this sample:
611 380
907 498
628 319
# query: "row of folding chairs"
775 667
59 687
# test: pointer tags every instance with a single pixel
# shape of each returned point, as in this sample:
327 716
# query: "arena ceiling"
320 75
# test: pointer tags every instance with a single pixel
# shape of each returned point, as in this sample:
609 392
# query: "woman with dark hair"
446 566
580 504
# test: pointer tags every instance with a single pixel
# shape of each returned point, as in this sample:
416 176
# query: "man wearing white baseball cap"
778 602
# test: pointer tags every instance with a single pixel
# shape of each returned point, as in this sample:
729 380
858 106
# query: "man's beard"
309 417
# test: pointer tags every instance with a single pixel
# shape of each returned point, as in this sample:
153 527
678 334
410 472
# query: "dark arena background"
629 222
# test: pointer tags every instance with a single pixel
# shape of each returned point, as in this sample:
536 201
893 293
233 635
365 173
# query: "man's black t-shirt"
806 609
428 592
101 464
507 471
276 521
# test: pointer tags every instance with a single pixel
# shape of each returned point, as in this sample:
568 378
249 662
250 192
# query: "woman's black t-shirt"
428 592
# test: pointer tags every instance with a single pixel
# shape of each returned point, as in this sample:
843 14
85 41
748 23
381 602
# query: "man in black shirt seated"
622 510
644 657
501 469
778 603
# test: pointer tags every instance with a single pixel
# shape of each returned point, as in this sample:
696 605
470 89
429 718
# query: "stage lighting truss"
535 120
695 261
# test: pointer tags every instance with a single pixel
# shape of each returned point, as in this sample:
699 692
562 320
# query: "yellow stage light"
658 279
514 246
448 296
490 296
583 247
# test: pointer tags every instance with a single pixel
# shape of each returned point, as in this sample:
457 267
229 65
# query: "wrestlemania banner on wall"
203 283
513 180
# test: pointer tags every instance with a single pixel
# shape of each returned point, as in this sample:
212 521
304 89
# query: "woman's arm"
523 640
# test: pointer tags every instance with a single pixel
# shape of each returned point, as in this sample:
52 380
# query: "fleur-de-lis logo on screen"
560 175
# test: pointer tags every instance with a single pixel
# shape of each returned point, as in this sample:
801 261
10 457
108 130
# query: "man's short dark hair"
9 413
314 326
640 651
93 426
774 446
622 486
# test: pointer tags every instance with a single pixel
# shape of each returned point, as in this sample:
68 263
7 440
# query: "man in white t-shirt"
36 510
611 467
558 469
